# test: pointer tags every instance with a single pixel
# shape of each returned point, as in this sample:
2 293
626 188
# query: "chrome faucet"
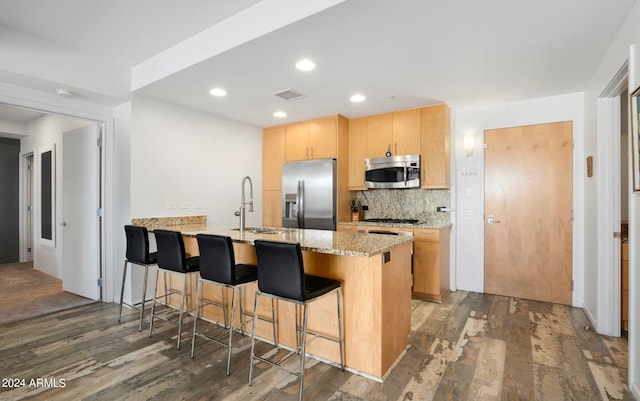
243 203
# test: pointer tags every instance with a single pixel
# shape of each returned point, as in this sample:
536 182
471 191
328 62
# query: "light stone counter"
426 225
320 241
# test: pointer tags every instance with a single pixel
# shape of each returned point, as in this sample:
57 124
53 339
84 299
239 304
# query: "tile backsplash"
416 203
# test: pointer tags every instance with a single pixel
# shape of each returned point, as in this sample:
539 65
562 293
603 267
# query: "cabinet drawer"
427 235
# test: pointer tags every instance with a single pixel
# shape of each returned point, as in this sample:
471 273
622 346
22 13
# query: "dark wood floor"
472 347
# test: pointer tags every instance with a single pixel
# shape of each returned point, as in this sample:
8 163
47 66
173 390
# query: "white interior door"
80 203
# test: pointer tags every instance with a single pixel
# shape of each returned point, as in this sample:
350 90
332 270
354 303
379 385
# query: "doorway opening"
36 130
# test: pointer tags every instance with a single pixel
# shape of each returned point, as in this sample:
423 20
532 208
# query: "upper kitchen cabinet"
273 155
297 141
379 135
357 152
434 146
314 139
397 132
323 137
406 132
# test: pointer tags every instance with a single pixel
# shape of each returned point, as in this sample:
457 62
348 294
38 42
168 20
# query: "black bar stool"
138 255
218 266
281 276
172 259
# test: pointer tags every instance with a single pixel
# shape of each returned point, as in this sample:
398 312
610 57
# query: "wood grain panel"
380 134
323 133
357 152
273 155
528 188
406 132
297 141
434 146
272 208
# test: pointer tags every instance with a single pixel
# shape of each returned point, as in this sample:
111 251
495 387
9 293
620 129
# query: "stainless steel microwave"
392 172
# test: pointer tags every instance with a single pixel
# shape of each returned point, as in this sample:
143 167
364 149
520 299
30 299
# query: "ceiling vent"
289 95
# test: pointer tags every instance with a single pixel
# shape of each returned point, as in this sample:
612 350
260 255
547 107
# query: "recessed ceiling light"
305 65
357 98
280 114
65 93
218 92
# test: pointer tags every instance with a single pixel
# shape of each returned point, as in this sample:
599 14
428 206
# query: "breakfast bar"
375 272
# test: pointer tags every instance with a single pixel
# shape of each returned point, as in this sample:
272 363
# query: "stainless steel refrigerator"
309 194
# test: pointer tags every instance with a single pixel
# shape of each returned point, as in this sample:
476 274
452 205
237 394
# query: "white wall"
191 160
47 130
469 179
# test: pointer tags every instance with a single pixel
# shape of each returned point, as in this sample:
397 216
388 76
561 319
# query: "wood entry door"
528 212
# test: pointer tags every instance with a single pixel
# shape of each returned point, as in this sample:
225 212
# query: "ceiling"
399 54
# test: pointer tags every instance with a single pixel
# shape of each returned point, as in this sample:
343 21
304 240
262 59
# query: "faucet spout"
243 202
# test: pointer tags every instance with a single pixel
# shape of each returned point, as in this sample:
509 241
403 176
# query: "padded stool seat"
281 276
137 254
172 259
218 267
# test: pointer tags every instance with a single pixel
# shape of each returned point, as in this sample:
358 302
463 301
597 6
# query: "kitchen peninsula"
375 271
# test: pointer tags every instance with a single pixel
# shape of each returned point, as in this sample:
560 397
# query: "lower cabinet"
431 270
431 264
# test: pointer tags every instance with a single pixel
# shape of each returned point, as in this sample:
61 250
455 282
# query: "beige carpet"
26 292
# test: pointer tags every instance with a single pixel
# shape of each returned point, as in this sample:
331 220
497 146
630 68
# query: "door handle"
63 224
490 220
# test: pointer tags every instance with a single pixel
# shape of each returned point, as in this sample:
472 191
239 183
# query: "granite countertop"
425 225
321 241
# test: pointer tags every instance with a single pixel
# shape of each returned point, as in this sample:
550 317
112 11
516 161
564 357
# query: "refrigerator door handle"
300 202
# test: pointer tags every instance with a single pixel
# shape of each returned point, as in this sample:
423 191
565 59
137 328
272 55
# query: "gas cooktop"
396 221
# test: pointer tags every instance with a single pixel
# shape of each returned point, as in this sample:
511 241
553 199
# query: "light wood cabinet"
320 138
323 135
406 132
379 134
397 132
273 155
431 269
434 146
314 139
357 152
297 141
272 208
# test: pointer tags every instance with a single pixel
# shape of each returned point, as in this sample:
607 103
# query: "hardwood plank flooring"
471 347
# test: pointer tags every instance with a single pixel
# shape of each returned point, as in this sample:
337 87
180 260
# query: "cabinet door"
323 134
434 146
357 152
379 134
426 268
273 155
297 141
272 208
406 132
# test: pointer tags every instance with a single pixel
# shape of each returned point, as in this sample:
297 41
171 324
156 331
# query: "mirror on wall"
47 195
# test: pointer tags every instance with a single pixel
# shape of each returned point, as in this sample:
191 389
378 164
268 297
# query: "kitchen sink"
262 230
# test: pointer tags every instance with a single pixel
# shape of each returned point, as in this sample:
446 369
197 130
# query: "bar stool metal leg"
182 306
144 296
124 276
253 336
340 327
197 316
153 305
302 350
233 304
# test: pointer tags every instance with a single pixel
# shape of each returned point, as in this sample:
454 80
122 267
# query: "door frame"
26 208
608 138
105 124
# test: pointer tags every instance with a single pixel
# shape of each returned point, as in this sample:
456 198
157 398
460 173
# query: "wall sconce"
469 143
